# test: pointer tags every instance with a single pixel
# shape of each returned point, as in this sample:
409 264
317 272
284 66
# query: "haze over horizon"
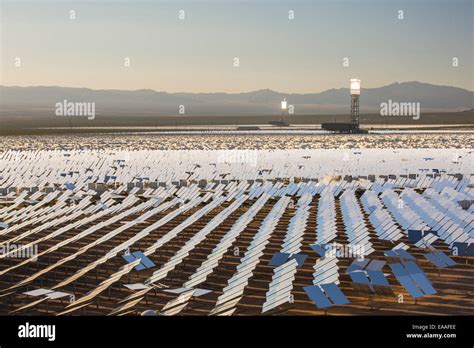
432 98
236 92
196 54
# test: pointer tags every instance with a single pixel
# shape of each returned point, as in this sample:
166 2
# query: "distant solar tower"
355 93
284 107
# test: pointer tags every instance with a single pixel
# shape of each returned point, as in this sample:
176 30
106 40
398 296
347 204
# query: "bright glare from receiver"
355 86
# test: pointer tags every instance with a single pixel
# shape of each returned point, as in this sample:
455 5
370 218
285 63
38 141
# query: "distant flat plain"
41 122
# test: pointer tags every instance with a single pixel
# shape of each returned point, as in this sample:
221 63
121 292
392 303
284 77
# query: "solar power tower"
355 94
284 107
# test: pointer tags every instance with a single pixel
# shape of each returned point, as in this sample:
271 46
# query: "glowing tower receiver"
355 93
284 107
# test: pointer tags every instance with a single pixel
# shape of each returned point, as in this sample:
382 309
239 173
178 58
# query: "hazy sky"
197 54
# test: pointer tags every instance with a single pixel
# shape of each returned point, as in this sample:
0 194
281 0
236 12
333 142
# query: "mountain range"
42 100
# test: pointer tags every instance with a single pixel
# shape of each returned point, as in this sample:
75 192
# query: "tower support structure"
355 112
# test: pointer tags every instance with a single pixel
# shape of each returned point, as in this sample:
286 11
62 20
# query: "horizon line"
246 92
